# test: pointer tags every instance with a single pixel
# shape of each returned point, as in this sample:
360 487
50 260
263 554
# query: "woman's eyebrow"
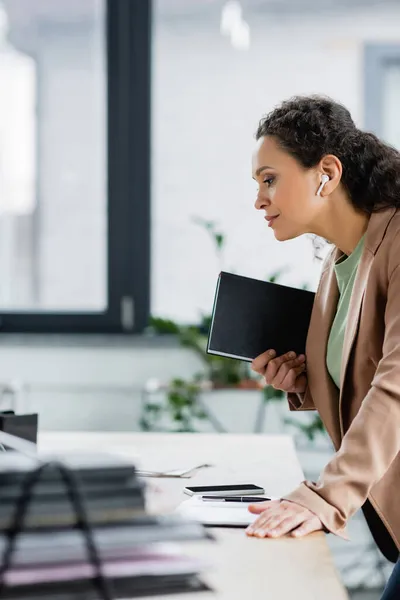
261 169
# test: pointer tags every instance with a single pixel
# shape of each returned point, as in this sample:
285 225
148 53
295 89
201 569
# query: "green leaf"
310 430
208 225
144 424
277 275
200 414
152 407
177 382
272 395
163 326
219 240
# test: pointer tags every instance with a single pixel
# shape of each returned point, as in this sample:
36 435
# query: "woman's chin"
283 236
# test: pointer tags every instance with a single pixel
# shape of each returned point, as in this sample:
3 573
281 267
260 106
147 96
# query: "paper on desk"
185 473
225 514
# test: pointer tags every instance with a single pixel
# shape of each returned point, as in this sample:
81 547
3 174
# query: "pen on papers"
234 498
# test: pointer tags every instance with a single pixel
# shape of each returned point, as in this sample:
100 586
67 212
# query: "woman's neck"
341 224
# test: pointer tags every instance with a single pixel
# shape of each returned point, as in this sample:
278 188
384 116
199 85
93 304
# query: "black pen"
235 498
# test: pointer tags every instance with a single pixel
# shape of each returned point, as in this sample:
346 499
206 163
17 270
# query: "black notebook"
251 316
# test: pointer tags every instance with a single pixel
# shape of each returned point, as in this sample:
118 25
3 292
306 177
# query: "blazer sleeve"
363 457
301 401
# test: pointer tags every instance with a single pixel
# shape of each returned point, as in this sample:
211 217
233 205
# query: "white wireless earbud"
324 180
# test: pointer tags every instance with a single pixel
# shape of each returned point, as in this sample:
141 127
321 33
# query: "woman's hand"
279 517
286 372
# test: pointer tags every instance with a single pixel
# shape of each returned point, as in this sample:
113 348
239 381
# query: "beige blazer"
363 421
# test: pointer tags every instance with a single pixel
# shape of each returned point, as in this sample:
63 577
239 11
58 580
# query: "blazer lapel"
353 319
376 230
323 390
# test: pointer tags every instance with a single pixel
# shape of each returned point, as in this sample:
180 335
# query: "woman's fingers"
300 385
260 507
271 518
269 360
283 517
289 380
282 371
278 527
275 364
288 369
309 526
275 509
260 363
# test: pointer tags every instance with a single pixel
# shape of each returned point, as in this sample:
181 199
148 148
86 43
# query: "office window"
218 66
382 90
53 147
70 217
391 102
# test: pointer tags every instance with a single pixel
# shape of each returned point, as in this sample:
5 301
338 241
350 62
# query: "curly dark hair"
309 127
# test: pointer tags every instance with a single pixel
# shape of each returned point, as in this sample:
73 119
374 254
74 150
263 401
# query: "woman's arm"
372 441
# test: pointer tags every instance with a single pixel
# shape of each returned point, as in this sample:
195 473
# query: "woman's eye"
269 180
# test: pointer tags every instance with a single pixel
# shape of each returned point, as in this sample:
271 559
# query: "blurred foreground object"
76 522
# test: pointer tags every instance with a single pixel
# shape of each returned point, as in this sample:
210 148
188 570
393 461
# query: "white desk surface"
243 567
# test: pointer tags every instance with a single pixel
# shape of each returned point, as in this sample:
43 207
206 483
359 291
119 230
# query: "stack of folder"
138 552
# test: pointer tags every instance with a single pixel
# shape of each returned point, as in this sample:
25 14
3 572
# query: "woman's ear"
330 166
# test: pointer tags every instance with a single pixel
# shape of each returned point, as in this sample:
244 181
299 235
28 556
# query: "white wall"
91 384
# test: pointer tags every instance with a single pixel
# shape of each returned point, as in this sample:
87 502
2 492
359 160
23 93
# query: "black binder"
251 316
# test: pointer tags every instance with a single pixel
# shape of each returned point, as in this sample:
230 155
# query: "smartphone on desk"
224 490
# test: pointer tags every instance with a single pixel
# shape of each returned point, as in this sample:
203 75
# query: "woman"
317 173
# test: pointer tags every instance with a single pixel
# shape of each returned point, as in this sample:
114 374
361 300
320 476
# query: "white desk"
282 569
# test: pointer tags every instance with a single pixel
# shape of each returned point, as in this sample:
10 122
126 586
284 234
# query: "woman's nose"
261 202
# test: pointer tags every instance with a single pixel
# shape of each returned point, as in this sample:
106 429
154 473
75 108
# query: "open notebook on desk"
217 514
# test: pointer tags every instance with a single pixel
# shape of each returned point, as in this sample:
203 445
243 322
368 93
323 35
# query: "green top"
346 270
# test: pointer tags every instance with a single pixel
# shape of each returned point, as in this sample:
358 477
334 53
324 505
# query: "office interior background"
125 128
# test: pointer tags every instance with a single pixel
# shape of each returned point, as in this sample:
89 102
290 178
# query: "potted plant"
184 405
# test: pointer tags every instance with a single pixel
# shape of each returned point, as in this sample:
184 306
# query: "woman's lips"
271 220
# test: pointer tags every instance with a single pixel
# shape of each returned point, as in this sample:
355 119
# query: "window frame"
128 60
376 56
